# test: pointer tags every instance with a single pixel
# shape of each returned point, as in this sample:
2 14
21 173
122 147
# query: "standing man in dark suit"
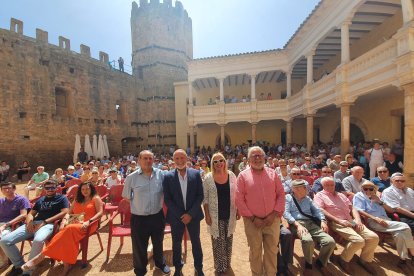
183 195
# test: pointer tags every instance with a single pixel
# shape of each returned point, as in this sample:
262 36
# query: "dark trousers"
407 220
285 254
177 232
142 228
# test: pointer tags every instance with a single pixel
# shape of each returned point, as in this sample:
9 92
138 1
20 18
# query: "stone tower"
162 43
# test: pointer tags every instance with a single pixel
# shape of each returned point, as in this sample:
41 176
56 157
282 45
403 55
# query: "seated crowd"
315 197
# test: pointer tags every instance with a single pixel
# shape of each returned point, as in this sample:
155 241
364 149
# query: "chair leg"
84 248
122 240
100 240
108 250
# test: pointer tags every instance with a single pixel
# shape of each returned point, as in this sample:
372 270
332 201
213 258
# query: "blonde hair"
58 169
213 170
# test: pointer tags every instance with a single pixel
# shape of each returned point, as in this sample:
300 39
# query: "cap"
376 140
91 163
244 158
71 167
298 183
368 184
343 163
133 162
112 170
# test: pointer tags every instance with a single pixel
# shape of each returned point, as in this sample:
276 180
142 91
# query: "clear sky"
220 27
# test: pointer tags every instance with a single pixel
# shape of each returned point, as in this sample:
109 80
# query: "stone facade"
50 93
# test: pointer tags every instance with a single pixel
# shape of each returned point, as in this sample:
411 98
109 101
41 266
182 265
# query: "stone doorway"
356 134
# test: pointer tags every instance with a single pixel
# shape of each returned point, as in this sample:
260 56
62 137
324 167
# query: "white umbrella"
87 146
101 149
106 146
77 148
95 146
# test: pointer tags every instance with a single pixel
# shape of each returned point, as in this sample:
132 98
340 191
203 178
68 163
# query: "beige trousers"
263 247
365 240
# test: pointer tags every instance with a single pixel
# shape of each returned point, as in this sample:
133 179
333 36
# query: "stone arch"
358 131
227 139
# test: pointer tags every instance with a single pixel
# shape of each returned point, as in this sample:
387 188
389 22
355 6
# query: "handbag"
75 218
315 219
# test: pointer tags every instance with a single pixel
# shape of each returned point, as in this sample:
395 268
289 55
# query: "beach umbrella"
101 148
77 148
106 146
87 146
95 146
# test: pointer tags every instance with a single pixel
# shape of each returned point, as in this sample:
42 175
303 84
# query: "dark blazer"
173 197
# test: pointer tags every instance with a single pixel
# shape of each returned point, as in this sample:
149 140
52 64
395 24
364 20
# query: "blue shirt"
382 184
307 206
362 203
144 192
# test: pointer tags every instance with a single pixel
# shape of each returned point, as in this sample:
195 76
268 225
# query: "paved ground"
120 261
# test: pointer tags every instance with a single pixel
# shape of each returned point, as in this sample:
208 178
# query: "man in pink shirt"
338 209
260 200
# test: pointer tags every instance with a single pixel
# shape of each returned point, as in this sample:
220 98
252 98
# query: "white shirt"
395 197
376 156
183 184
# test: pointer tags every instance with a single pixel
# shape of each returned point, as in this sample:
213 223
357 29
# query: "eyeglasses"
399 180
218 161
368 189
7 188
282 165
382 171
326 172
51 188
255 156
344 165
292 162
295 173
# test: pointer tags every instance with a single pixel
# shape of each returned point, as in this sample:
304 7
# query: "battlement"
42 37
145 5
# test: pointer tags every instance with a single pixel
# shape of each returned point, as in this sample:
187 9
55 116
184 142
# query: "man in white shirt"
375 158
401 198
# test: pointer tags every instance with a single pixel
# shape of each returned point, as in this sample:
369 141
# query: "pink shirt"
259 193
336 204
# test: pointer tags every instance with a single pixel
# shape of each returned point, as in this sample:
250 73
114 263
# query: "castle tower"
162 43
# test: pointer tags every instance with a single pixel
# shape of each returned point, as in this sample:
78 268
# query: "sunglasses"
382 171
398 180
295 173
218 161
368 189
326 172
51 188
255 156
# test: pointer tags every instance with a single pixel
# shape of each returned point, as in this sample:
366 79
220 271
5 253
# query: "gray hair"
324 180
249 153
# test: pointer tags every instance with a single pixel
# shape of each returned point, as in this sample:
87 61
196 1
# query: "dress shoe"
165 269
16 271
199 272
323 269
345 265
367 266
403 265
177 272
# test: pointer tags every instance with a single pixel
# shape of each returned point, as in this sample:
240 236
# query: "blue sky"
220 27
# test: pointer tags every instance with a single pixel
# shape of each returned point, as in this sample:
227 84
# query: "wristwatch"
381 203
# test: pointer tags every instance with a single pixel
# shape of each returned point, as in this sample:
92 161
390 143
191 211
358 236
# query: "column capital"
311 53
221 78
288 120
346 23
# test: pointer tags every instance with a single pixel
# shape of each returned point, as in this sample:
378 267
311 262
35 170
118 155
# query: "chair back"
124 209
71 193
101 190
73 182
309 179
115 194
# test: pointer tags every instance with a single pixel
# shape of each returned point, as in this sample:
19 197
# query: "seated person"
382 180
132 168
338 209
401 198
282 171
4 171
342 172
39 226
285 252
22 170
37 181
78 168
13 208
72 174
113 179
294 175
392 164
88 202
86 174
102 171
59 177
334 164
307 166
373 209
326 172
304 217
95 178
352 183
318 163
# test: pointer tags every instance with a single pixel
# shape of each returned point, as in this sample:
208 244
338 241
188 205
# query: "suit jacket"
173 197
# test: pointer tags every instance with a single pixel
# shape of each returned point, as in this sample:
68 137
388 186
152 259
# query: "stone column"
407 11
221 81
289 132
191 128
254 133
190 93
288 84
309 131
409 133
345 50
309 67
345 127
253 87
222 136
